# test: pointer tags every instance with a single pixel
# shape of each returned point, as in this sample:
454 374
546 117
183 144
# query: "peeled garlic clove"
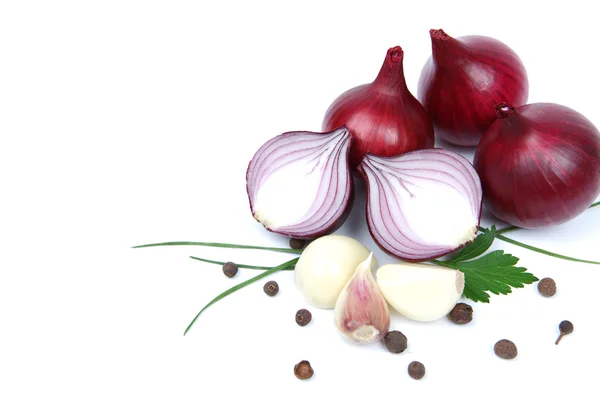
361 312
420 292
325 266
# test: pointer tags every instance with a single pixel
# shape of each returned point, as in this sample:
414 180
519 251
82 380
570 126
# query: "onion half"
423 204
299 183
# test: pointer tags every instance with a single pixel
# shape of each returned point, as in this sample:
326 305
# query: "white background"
128 122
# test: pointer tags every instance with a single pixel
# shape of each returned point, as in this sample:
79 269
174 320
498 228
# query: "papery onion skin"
539 164
361 312
417 251
383 116
464 79
339 215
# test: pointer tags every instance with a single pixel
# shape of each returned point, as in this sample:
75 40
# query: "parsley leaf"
479 246
495 272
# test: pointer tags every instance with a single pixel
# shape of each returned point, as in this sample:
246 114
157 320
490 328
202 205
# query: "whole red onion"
464 79
383 117
539 164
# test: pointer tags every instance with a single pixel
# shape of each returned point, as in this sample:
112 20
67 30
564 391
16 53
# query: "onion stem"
235 288
536 249
226 245
291 268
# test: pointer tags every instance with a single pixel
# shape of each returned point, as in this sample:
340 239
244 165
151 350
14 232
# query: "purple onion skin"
539 164
327 229
462 82
383 117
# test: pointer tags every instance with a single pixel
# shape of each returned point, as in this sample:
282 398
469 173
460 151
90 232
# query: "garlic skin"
421 292
361 312
325 266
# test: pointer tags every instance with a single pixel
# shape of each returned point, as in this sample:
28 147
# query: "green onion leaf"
225 245
537 249
291 268
240 286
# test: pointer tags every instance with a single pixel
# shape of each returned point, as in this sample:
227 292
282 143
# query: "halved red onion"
299 183
423 204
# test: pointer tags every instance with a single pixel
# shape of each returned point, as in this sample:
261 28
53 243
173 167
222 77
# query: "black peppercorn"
565 327
505 349
230 269
303 317
547 287
395 341
271 288
297 244
461 314
416 370
303 370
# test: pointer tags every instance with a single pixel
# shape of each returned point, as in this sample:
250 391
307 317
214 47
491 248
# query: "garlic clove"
420 292
361 312
325 266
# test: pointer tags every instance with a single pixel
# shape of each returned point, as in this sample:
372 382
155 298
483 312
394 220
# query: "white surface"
128 122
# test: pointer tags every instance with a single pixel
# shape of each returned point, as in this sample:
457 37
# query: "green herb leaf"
291 268
477 247
240 286
495 272
225 245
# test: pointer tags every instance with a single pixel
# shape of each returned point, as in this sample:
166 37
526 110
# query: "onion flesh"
539 164
423 204
464 79
299 183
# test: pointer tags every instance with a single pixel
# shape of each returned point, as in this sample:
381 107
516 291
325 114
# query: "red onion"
383 116
464 79
423 204
539 164
299 183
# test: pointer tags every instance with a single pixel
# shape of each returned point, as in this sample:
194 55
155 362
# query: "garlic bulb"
325 266
361 312
420 292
